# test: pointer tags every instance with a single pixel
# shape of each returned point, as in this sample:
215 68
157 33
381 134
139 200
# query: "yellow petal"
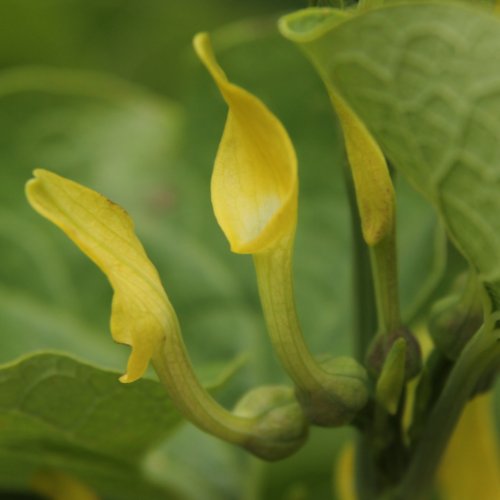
471 465
372 182
141 312
254 182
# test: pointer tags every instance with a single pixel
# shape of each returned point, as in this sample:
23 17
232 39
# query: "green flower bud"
382 345
345 393
453 323
280 426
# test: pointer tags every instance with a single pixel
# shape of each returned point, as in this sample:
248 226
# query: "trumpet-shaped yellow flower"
141 312
254 195
254 182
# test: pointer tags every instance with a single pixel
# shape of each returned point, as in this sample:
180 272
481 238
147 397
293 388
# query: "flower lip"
141 312
254 182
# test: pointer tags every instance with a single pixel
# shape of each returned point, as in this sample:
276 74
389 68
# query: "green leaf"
425 79
59 413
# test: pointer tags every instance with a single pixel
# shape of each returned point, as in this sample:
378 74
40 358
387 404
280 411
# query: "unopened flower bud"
453 323
280 427
344 393
382 345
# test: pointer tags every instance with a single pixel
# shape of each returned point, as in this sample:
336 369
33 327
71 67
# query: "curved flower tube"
143 318
254 195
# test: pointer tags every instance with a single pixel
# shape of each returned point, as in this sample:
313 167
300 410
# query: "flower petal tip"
204 50
254 182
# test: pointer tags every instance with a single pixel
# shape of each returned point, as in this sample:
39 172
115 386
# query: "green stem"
480 355
364 329
330 393
385 278
364 306
275 282
176 373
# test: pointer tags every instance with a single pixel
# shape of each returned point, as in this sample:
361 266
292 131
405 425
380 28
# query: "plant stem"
385 277
480 355
331 392
176 373
274 278
364 306
364 326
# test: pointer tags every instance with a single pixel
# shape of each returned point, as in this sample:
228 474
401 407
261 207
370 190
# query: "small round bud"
280 427
382 345
452 324
345 393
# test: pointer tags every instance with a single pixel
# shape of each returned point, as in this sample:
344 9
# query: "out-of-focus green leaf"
425 79
58 413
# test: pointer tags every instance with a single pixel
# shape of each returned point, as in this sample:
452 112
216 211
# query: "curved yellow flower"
254 195
254 182
141 311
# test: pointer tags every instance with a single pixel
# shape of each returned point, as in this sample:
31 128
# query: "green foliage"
115 101
58 413
424 80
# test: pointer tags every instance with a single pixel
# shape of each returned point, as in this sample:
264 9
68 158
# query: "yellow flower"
254 182
254 195
141 312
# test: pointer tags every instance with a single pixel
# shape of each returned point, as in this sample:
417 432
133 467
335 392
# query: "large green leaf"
425 78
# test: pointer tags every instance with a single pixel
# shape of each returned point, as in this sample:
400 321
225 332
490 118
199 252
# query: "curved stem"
330 393
176 373
275 282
